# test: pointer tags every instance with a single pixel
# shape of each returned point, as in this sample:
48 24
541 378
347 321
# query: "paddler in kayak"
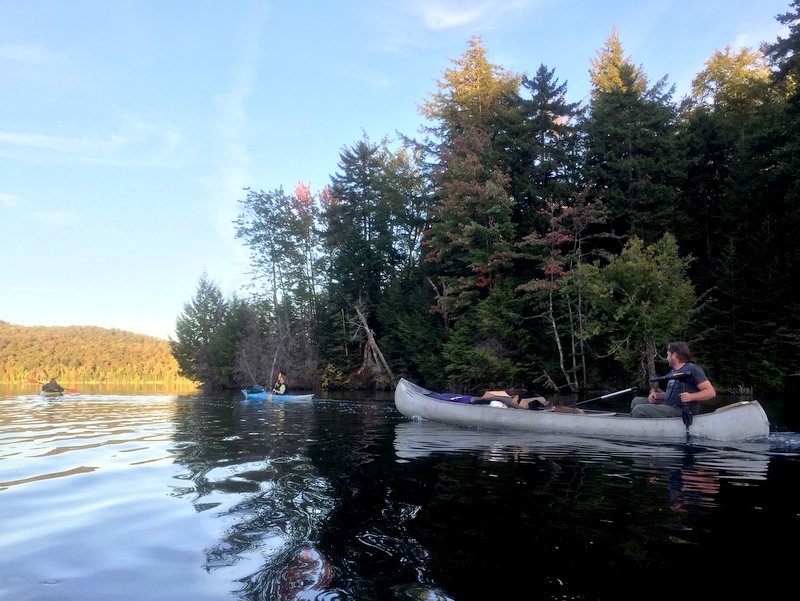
52 386
280 385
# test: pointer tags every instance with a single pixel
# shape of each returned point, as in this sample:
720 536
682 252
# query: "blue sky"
128 128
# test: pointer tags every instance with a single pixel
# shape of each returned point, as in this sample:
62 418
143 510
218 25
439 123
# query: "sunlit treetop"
611 70
734 81
471 93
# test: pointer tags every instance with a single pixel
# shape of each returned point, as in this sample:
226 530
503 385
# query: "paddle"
605 396
678 375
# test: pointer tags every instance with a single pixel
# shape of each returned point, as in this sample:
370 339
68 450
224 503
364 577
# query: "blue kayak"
250 395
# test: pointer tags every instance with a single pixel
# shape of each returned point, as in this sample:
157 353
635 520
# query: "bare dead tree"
374 364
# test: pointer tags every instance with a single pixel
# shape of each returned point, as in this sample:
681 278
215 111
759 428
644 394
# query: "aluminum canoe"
739 421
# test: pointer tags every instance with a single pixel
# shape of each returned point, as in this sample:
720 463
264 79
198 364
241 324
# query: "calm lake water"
148 496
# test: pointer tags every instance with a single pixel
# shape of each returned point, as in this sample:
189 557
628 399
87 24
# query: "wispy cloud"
38 289
233 163
447 14
9 200
52 217
137 143
24 211
26 54
369 77
750 36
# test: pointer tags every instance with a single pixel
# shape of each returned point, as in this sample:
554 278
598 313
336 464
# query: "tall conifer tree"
541 142
195 331
469 245
632 164
471 235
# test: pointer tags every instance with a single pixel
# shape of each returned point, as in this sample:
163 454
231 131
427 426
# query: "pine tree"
358 234
632 162
195 331
612 71
542 146
472 95
471 237
373 223
469 243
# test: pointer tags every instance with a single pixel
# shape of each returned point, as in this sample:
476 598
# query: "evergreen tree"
373 219
632 162
412 336
471 96
195 331
766 186
785 52
729 102
543 145
226 343
358 219
742 185
471 236
492 346
731 112
612 70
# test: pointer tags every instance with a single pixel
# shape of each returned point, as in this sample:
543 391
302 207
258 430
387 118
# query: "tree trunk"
650 355
374 360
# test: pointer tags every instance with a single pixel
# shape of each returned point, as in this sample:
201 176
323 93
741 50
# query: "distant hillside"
83 354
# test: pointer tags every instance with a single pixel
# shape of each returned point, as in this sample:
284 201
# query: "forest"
84 355
521 240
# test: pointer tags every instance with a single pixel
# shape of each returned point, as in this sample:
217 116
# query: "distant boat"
56 393
739 421
265 395
53 388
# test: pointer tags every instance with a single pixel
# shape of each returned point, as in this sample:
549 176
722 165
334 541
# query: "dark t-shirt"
695 377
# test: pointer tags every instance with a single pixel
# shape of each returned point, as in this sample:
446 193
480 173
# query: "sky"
129 129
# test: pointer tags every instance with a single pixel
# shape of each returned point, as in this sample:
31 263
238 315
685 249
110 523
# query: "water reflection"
300 572
690 474
53 438
211 497
300 489
334 500
692 487
251 469
418 438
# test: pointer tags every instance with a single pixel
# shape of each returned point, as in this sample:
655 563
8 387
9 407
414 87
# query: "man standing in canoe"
690 389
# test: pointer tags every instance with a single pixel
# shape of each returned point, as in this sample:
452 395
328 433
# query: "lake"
146 495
